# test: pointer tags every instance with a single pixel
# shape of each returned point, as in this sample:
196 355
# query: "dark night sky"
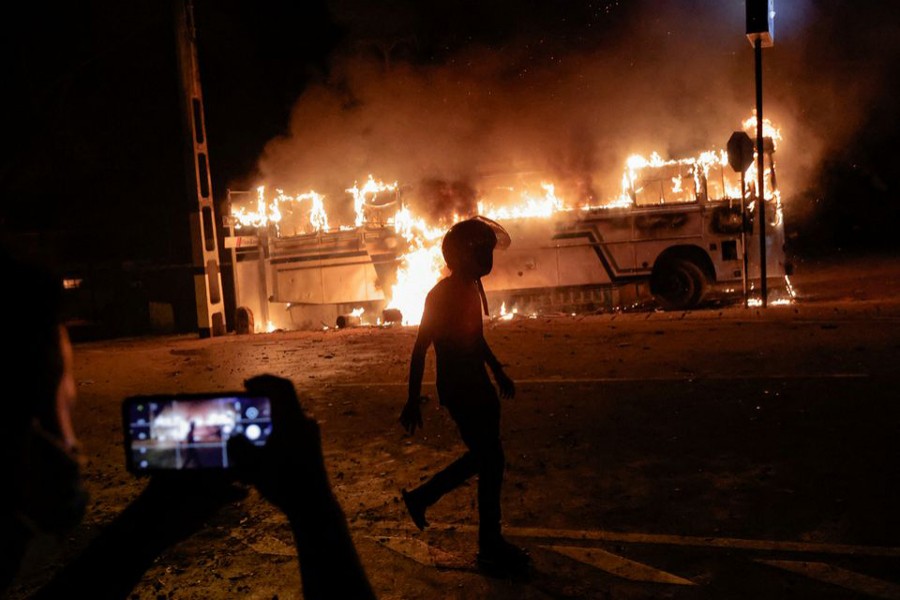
93 137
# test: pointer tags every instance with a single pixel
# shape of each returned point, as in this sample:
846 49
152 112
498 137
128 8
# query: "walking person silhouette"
192 459
452 322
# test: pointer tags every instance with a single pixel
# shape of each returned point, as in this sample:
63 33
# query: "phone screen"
190 431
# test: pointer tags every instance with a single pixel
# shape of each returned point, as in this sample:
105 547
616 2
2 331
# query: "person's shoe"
502 559
416 510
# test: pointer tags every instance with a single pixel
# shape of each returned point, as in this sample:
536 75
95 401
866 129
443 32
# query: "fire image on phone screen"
192 433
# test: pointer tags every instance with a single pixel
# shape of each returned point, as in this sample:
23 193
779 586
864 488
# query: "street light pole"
761 34
760 174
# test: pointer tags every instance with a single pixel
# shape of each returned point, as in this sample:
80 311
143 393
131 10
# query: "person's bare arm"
171 508
411 416
417 364
506 385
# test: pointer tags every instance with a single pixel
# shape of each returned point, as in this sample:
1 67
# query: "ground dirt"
630 433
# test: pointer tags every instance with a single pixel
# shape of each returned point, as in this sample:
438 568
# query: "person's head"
38 448
468 246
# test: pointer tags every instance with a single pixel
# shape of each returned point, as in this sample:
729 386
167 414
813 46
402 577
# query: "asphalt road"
721 453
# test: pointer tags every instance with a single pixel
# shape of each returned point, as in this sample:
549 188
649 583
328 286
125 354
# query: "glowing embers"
777 297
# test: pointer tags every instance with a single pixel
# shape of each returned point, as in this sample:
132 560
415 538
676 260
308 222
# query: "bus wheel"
678 284
243 322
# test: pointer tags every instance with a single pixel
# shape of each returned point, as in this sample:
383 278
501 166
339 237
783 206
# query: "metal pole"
760 174
744 239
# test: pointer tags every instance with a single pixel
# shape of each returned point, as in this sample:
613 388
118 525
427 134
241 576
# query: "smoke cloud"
673 78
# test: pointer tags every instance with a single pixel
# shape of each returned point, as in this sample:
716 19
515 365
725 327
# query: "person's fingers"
286 409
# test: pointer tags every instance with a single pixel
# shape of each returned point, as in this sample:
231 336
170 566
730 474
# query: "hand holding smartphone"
181 432
190 433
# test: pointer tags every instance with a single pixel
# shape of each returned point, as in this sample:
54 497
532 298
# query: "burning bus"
680 231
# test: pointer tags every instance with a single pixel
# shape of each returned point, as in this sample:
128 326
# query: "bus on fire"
682 231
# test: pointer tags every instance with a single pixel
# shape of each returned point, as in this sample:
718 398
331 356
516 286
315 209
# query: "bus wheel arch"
681 277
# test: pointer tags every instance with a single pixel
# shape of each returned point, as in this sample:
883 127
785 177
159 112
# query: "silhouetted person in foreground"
452 322
43 490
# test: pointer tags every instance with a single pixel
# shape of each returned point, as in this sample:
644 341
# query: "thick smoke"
677 79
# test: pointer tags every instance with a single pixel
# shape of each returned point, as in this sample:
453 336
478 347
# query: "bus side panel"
579 264
249 285
523 268
540 257
685 223
331 284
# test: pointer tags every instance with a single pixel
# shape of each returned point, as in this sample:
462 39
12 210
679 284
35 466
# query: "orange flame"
366 195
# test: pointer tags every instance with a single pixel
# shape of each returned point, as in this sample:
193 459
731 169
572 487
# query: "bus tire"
678 284
243 321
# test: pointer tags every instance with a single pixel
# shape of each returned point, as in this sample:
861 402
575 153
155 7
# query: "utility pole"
761 33
207 277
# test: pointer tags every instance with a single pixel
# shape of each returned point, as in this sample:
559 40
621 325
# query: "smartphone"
180 432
